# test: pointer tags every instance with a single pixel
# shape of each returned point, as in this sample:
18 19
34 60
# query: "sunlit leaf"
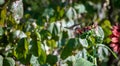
8 62
71 13
102 45
70 23
83 42
51 27
51 43
3 16
102 53
99 32
19 34
55 30
80 8
42 58
1 60
83 62
61 12
2 2
58 25
107 23
17 10
3 13
82 54
38 35
70 60
34 61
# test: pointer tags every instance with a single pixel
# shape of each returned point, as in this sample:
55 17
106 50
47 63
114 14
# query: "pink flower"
115 38
112 45
116 49
115 33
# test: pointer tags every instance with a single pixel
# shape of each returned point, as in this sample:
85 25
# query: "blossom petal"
115 39
116 48
112 45
116 33
115 27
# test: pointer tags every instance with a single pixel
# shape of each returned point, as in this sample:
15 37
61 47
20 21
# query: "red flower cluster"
115 38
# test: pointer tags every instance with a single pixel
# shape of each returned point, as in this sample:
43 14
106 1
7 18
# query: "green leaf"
45 34
99 32
1 31
55 30
8 62
90 9
50 27
67 51
2 2
51 43
17 10
35 47
70 23
70 60
1 60
25 60
83 42
34 61
19 34
3 16
80 8
64 34
42 58
102 53
38 36
52 19
102 45
106 23
82 54
22 48
3 13
61 12
83 62
51 59
71 13
48 12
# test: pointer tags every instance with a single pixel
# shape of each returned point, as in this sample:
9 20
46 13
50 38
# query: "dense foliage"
58 32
